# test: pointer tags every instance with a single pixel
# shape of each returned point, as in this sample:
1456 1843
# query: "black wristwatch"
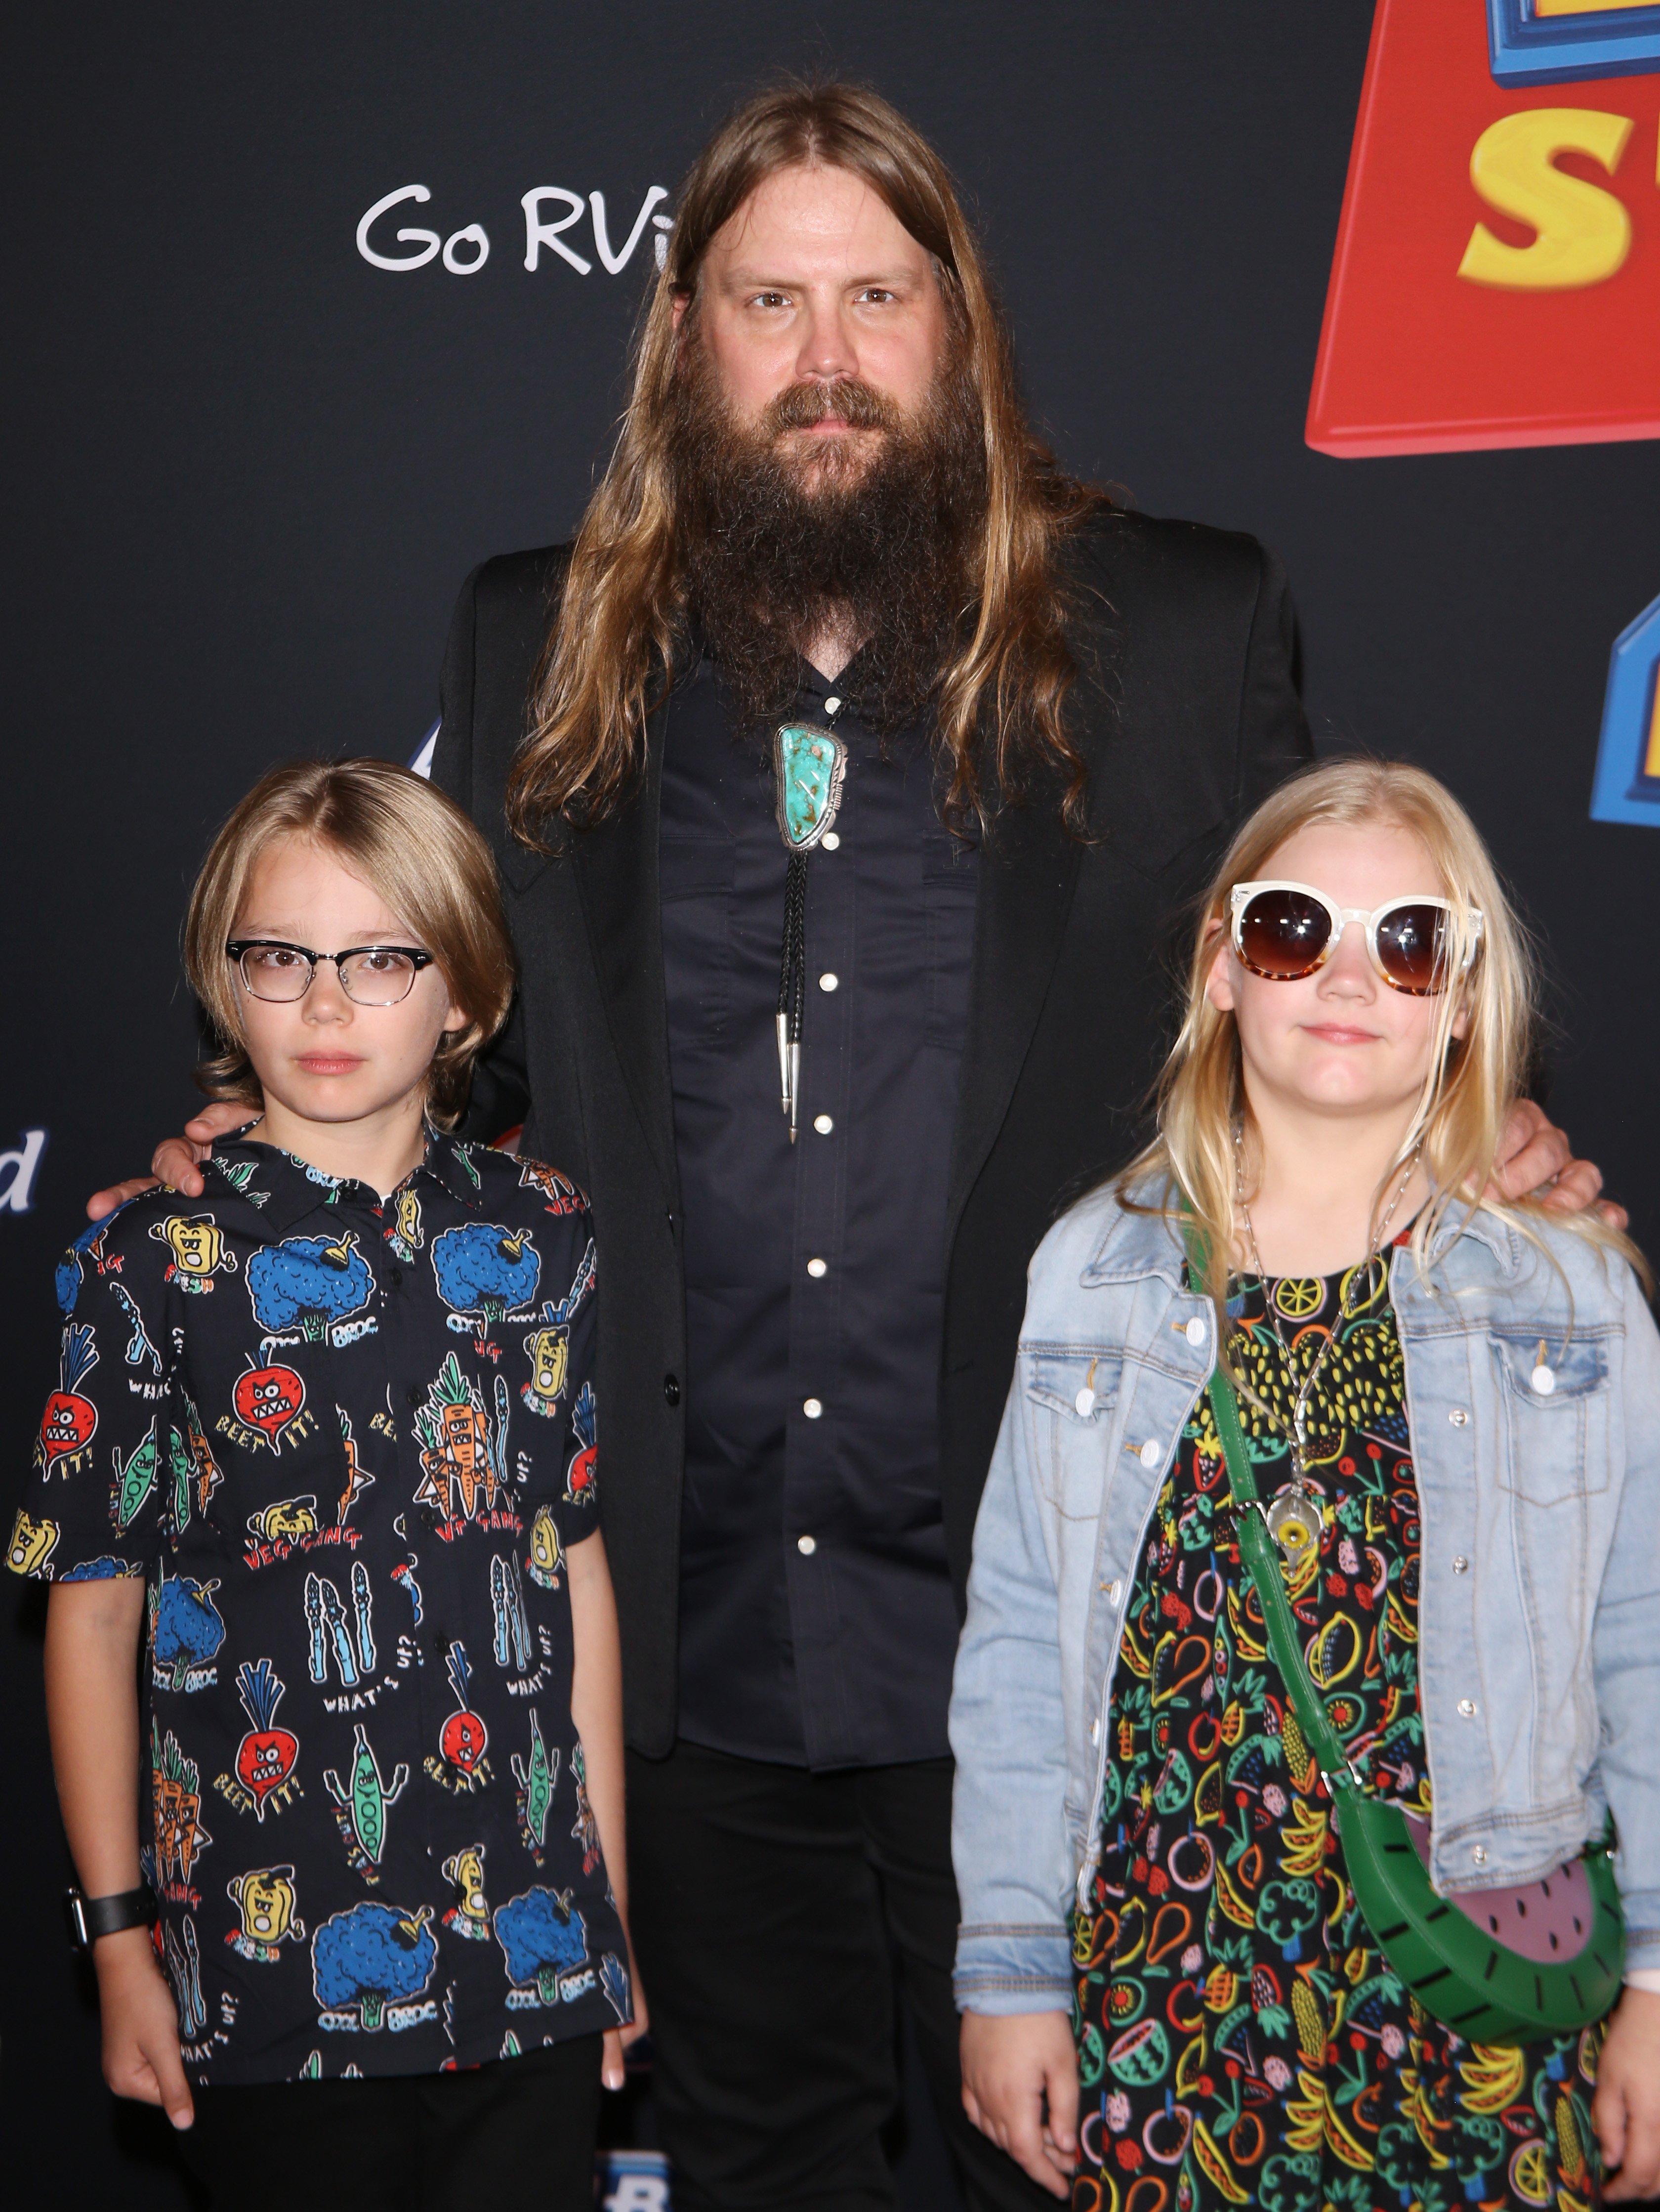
89 1917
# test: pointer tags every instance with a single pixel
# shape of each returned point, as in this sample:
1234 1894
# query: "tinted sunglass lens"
1412 946
1284 934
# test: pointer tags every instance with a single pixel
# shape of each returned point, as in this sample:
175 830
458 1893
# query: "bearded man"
866 757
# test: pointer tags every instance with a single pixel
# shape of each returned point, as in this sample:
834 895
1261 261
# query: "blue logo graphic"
1560 41
1627 786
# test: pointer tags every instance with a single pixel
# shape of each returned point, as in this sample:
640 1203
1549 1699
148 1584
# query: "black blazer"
1190 715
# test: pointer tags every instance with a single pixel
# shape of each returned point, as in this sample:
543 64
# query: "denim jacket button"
1085 1402
1461 1564
1458 1417
1095 1730
1152 1453
1467 1709
1543 1380
1480 1853
1196 1332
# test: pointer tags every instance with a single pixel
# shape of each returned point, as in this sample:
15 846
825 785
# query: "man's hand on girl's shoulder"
1535 1157
175 1162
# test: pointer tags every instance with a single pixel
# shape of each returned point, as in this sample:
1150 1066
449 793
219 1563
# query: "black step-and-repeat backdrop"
312 309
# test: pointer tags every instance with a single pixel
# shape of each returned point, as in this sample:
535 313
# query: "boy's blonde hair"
412 846
1471 1084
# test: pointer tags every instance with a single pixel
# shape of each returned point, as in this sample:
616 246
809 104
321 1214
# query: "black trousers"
518 2133
771 1910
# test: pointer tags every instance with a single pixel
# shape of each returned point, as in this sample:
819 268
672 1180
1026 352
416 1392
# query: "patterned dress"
1241 2038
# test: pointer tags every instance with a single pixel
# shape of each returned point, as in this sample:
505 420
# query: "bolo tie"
810 761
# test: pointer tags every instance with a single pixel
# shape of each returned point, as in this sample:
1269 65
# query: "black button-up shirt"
347 1444
817 1624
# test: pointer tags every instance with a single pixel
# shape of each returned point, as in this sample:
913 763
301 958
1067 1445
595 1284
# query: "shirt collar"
283 1189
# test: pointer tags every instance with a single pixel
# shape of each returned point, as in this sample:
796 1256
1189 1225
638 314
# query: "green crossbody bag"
1494 1965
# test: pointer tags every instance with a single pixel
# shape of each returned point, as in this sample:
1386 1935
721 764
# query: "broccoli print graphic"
368 1959
186 1631
545 1945
484 1273
305 1287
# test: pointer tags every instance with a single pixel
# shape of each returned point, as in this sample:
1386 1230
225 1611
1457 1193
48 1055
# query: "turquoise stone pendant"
811 765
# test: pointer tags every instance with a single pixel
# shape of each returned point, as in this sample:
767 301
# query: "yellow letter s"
1584 231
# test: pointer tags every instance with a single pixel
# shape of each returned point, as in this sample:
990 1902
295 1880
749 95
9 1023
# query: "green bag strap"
1262 1557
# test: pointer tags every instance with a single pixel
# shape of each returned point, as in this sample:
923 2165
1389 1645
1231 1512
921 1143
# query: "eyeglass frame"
236 946
1340 917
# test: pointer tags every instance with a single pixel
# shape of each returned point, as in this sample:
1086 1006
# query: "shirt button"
812 1408
1152 1453
1467 1709
828 981
806 1546
815 1268
823 1124
394 1276
1458 1417
414 1394
833 706
1196 1332
1461 1564
830 841
671 1389
1480 1853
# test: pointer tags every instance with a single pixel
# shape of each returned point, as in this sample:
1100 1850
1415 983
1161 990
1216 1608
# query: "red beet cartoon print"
462 1738
265 1757
267 1399
67 1426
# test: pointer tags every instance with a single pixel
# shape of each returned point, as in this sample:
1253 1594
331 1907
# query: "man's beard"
780 541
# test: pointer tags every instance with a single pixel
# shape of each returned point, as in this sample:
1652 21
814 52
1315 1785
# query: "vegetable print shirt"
347 1445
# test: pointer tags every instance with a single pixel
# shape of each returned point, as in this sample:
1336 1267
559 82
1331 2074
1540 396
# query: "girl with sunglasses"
1446 1410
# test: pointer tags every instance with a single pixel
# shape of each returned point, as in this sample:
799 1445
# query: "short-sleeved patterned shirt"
347 1444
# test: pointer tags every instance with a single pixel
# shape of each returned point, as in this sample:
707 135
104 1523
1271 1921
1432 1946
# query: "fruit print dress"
1241 2039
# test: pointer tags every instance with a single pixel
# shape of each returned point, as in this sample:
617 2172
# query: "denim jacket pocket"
1072 1393
1553 1402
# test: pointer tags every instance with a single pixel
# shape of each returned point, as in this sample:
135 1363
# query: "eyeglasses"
369 974
1285 931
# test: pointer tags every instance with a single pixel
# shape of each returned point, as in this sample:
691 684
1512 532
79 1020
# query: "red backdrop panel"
1414 358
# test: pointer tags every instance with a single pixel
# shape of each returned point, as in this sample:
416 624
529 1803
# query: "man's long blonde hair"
1472 1082
612 642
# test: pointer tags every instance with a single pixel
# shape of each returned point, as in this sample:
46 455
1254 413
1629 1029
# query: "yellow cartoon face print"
32 1543
198 1245
545 1552
551 1351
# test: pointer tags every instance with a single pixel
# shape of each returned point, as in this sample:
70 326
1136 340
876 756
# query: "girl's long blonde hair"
1472 1082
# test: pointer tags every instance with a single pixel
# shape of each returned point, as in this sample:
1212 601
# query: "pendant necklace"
810 761
1293 1517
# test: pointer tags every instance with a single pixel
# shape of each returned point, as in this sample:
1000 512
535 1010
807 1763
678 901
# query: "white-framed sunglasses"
1285 931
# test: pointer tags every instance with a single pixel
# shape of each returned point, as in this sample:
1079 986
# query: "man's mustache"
846 400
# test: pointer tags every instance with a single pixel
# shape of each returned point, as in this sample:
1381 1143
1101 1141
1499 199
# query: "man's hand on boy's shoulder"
175 1162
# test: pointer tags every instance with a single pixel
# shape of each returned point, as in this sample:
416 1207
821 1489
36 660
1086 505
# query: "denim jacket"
1539 1615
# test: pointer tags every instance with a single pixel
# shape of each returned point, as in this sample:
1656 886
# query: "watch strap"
89 1917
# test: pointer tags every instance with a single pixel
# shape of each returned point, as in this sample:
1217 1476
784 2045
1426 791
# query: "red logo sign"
1497 275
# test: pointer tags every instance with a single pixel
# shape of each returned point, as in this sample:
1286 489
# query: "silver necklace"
1293 1518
